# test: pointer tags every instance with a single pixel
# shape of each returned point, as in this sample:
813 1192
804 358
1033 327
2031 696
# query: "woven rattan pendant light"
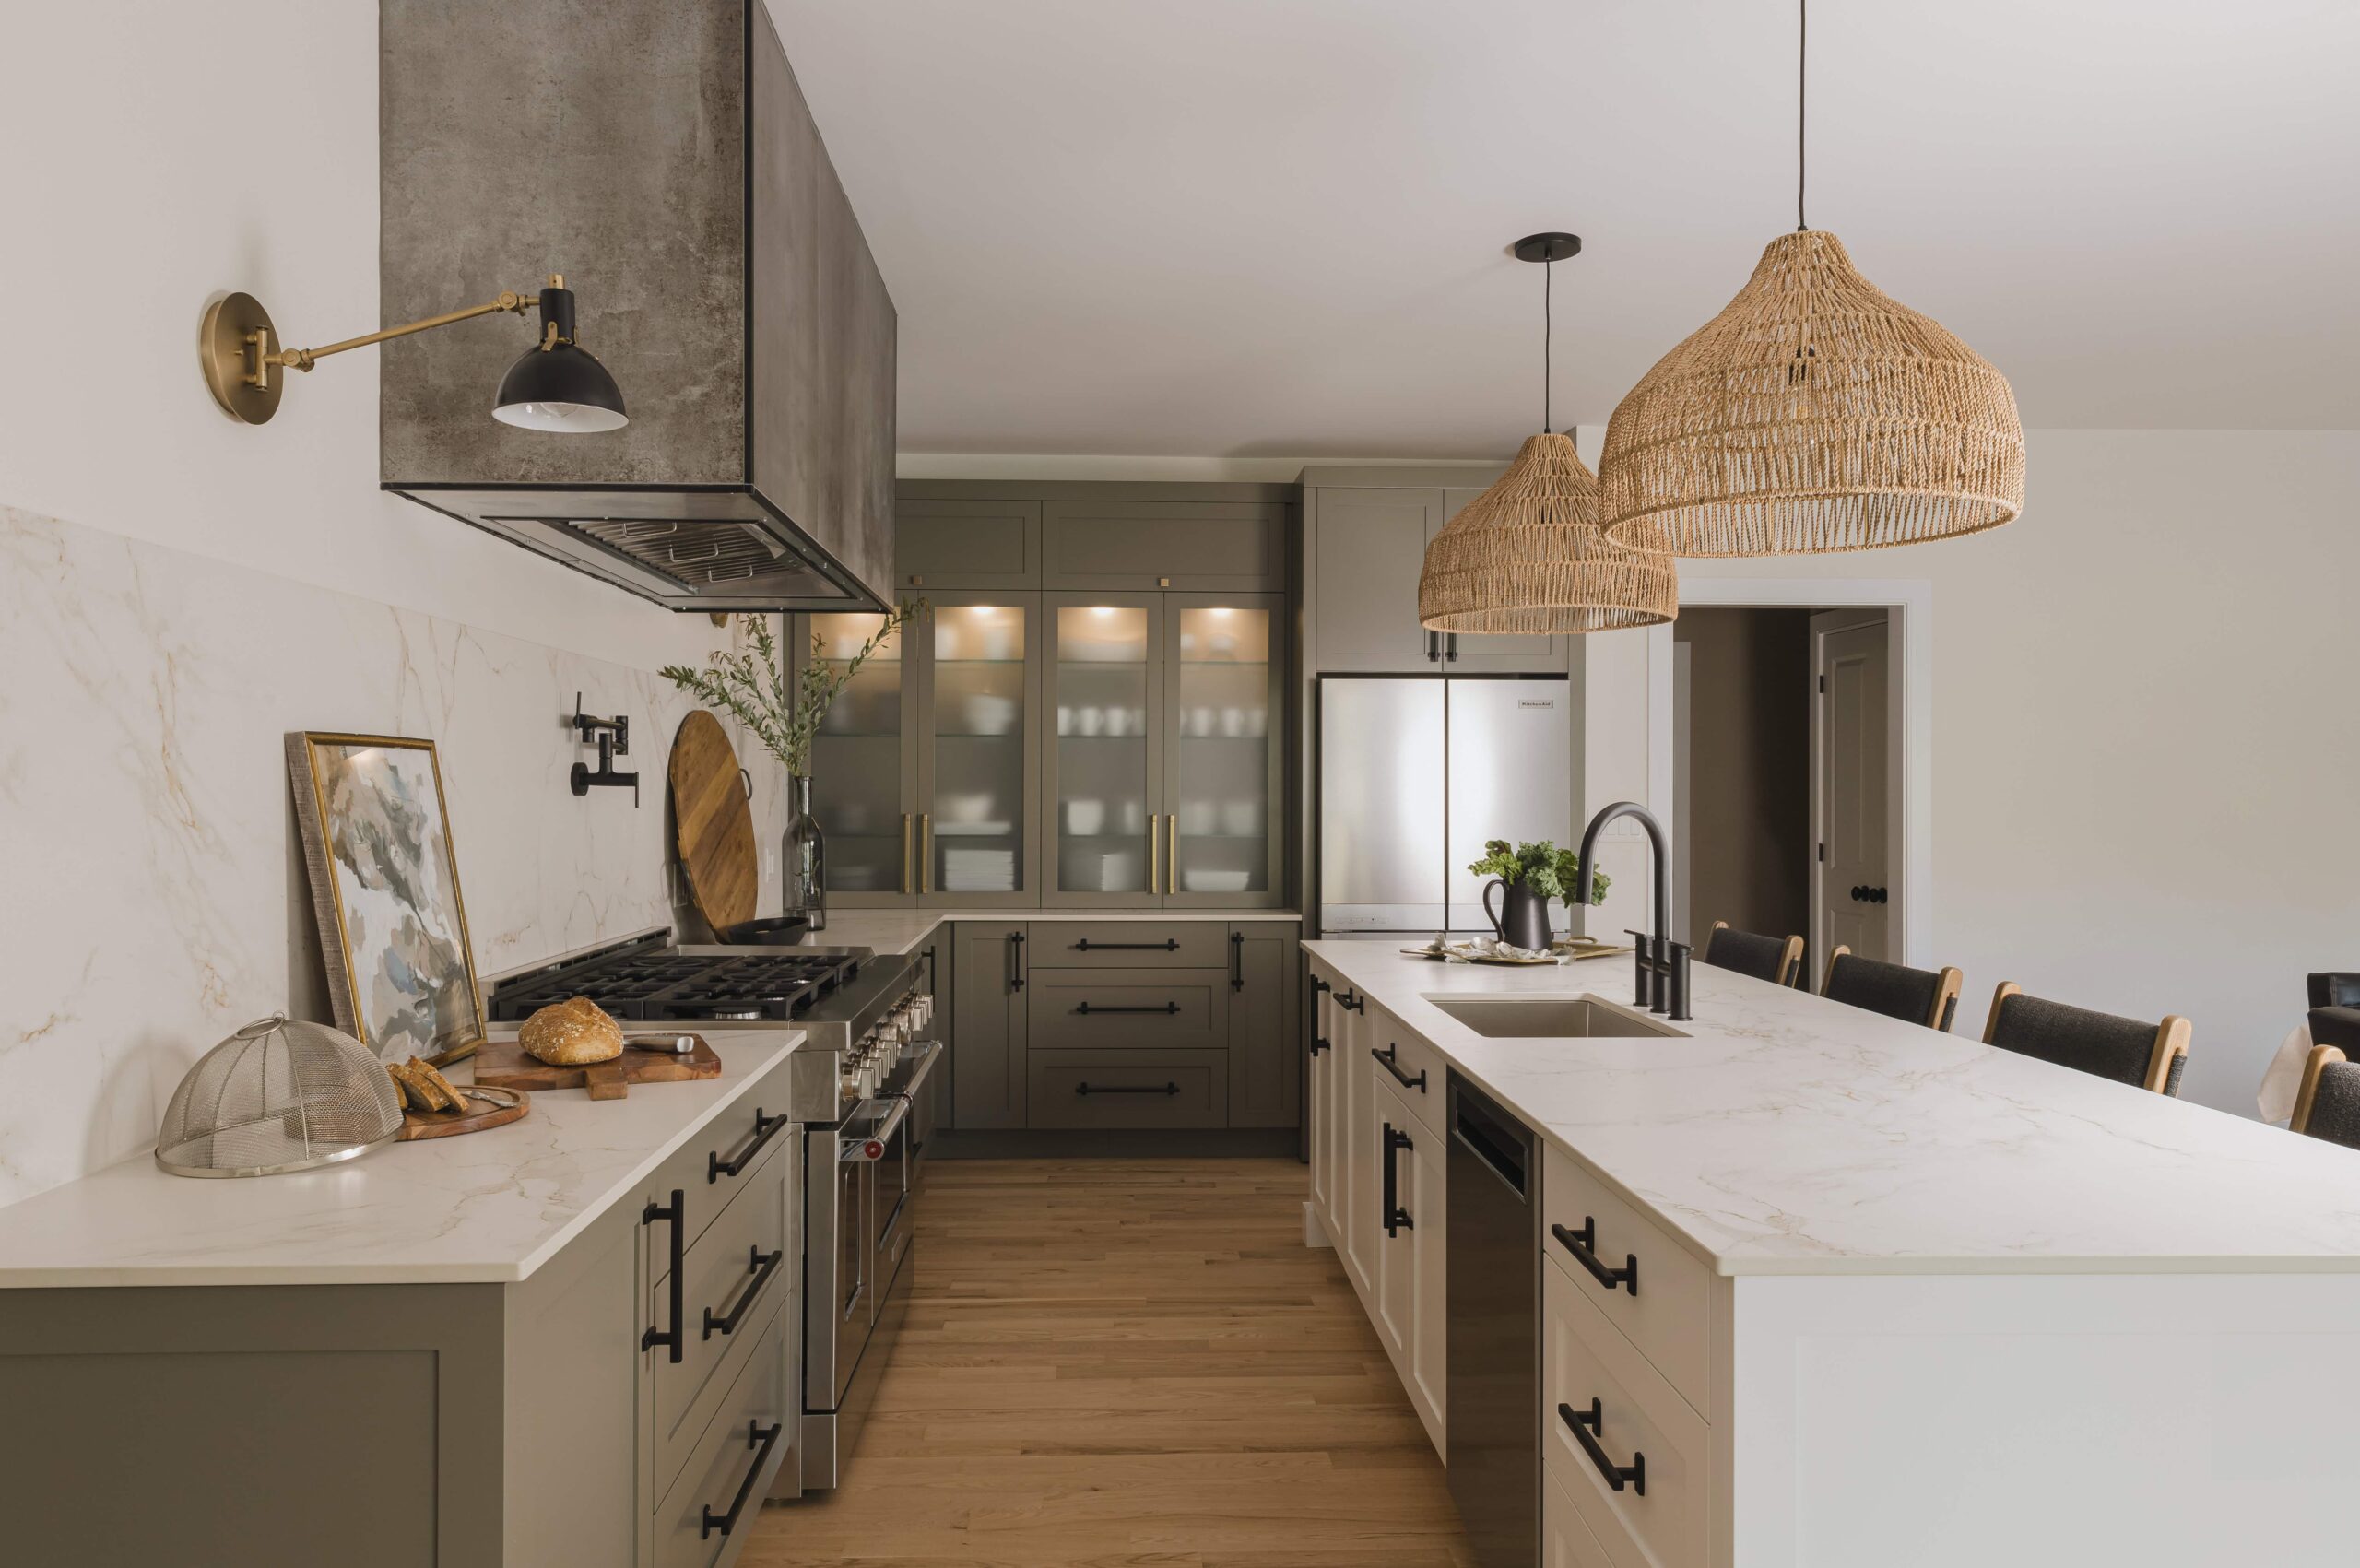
1528 556
1813 414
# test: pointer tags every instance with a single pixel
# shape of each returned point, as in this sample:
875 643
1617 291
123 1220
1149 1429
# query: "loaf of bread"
571 1033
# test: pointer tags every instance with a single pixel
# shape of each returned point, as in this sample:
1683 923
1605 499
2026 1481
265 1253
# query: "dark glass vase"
804 866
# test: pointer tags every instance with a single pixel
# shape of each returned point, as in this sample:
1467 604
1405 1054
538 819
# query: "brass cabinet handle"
907 825
1155 838
1171 853
925 852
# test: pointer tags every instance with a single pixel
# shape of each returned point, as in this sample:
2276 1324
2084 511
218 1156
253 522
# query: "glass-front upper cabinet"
1163 782
979 771
1106 769
864 764
1224 769
926 770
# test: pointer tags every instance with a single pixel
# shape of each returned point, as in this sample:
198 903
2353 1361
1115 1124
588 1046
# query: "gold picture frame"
385 879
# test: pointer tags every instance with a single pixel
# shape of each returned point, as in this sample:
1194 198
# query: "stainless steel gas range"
863 1102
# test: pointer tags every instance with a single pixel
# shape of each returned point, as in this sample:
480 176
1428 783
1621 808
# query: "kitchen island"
1859 1292
464 1351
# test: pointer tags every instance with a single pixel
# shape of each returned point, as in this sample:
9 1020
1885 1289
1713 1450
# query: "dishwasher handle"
1493 1136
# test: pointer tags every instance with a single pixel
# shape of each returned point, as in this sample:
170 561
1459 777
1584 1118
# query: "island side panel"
252 1427
2177 1420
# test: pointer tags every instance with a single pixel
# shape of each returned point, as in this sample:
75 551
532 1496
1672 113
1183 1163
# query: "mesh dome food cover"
278 1095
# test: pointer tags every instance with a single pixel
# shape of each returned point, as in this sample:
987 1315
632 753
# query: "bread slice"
423 1095
455 1098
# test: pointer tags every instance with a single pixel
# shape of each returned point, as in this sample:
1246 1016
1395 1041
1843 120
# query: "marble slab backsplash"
152 895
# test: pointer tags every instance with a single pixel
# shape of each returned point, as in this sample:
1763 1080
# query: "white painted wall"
2144 747
177 590
157 155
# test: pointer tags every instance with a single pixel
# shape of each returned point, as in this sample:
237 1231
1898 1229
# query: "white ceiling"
1276 228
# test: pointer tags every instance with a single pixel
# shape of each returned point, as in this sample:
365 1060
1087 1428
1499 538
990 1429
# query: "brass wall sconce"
554 385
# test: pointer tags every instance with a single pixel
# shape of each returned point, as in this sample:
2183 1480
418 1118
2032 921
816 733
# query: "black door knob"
1859 893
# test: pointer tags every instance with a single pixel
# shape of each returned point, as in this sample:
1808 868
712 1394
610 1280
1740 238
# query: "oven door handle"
857 1148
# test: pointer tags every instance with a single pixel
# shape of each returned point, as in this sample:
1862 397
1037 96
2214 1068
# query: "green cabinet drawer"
1129 944
1115 1089
1130 1010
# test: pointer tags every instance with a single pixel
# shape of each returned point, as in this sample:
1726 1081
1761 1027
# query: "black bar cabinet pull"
761 1440
1171 945
1396 1219
1085 1010
676 1214
1237 961
1351 1001
1593 1422
1016 960
1583 1244
1318 1044
1391 1058
1126 1089
765 1129
1319 985
761 1264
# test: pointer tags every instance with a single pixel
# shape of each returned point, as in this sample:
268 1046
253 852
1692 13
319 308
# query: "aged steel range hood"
725 280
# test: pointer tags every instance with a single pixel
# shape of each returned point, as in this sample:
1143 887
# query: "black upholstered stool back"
2329 1105
1913 995
2146 1055
1778 960
2336 988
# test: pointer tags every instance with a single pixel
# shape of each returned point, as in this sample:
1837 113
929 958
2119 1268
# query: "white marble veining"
1792 1135
157 899
899 930
487 1207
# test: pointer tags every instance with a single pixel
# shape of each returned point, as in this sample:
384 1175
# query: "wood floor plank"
1127 1364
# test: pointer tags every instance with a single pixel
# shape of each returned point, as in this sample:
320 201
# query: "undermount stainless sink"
1551 1017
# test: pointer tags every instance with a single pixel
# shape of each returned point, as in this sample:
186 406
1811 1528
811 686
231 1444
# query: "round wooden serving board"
486 1108
503 1063
713 822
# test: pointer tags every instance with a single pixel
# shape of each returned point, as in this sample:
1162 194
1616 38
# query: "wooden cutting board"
494 1108
503 1064
713 822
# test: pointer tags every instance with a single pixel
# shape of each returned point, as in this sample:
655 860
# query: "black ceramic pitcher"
1523 921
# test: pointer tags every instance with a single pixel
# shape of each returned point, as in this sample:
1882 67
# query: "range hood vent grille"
699 555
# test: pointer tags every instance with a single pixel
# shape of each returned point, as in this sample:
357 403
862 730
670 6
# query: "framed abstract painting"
385 893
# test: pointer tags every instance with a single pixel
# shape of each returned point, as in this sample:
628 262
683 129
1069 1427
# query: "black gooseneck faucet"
1661 963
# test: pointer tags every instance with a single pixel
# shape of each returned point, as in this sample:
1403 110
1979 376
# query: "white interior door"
1853 873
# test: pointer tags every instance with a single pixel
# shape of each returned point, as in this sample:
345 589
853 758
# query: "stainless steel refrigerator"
1413 773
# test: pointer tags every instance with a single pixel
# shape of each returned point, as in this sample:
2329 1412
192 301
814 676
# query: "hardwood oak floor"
1132 1362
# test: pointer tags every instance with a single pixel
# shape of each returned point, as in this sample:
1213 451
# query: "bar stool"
1779 960
2328 1103
2146 1055
1913 995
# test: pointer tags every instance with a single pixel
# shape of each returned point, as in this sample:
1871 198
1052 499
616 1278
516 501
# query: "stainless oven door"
838 1190
902 1134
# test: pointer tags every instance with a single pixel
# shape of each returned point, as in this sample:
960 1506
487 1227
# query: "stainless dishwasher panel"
1493 1340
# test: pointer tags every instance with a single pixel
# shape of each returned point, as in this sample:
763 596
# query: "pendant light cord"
1548 329
1802 92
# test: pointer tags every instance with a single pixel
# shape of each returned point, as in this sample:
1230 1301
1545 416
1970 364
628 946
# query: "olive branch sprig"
754 686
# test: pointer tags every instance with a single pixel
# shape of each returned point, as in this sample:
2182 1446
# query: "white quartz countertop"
1792 1135
482 1207
899 930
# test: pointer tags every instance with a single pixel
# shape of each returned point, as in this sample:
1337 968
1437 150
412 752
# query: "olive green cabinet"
989 971
1366 534
926 770
1265 1064
1078 1025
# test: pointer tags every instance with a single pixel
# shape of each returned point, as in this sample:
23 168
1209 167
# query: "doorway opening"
1791 811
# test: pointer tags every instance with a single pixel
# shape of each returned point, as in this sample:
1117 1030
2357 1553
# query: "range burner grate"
668 986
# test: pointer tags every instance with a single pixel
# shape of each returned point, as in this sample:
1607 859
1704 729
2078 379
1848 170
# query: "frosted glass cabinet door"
864 766
1222 834
979 772
1106 769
